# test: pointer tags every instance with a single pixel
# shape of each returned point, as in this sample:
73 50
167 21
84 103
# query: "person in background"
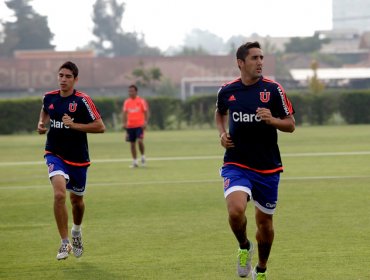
135 116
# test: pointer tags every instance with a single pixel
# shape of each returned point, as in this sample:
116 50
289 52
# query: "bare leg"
78 208
141 146
133 149
60 208
264 236
236 206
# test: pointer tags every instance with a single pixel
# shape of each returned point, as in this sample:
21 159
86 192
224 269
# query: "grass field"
169 221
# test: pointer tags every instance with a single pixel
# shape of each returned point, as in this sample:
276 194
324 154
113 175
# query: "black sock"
260 270
246 245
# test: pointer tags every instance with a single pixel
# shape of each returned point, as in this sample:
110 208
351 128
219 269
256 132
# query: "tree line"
29 30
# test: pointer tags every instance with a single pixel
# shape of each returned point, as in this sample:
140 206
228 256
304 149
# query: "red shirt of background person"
134 110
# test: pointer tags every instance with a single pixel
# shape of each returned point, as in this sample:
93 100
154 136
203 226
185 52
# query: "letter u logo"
72 107
265 96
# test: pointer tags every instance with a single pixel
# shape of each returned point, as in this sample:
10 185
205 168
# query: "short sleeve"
124 106
220 103
144 105
282 107
92 111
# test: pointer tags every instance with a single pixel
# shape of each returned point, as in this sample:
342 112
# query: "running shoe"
64 251
258 275
77 246
244 261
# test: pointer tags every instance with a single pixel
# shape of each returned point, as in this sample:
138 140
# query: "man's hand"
265 115
41 129
226 141
67 121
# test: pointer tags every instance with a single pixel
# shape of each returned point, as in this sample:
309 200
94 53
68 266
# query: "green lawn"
169 221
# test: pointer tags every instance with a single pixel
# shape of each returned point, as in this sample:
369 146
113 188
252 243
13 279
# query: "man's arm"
43 120
124 119
146 117
221 123
96 126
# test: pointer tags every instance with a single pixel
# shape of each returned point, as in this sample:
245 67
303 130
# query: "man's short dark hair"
134 87
243 50
70 66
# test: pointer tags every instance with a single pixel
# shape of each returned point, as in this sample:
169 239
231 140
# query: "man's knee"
59 185
76 200
264 222
236 204
59 196
236 211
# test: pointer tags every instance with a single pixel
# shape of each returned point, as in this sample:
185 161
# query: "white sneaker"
134 165
64 251
143 162
77 246
245 261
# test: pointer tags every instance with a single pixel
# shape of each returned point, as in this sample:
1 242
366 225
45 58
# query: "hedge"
355 107
21 115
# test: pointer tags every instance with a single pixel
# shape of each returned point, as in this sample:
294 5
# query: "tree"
305 44
147 77
111 38
29 31
189 51
315 84
234 42
167 88
268 46
204 40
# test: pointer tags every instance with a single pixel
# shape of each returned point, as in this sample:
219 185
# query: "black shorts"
132 134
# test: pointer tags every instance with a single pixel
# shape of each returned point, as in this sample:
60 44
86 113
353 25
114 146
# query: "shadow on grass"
80 269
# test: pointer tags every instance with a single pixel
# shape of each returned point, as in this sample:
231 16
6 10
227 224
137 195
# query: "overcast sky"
165 23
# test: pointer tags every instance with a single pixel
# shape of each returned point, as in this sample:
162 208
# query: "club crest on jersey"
72 107
265 96
226 183
51 167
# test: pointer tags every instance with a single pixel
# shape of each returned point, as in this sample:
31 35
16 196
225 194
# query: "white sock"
65 241
76 227
135 161
76 230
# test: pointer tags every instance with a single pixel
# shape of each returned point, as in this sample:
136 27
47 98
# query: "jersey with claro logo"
256 143
69 144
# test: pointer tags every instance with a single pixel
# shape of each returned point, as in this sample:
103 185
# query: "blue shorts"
132 134
262 188
74 175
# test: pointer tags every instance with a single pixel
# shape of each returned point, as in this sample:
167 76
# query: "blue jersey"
256 146
69 144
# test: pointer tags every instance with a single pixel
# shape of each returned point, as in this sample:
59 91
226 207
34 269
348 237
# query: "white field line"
218 181
113 160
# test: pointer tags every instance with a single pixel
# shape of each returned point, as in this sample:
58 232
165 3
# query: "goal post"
190 84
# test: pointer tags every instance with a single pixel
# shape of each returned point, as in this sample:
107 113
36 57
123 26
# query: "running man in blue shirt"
249 112
70 114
